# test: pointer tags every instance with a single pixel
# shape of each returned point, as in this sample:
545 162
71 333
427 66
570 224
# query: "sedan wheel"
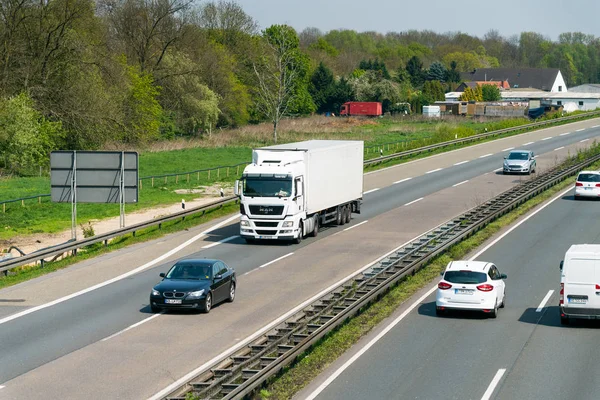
494 312
154 308
231 293
207 303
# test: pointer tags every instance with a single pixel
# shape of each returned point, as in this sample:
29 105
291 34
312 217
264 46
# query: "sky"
475 17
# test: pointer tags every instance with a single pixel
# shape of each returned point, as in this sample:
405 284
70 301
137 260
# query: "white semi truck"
290 190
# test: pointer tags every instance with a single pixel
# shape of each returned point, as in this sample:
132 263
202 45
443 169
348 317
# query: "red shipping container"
368 108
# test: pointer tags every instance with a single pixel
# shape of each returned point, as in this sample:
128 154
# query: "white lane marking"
547 138
510 148
354 226
339 371
122 276
460 183
402 180
131 327
229 239
497 169
544 301
239 345
560 148
362 351
565 134
596 126
2 387
584 140
490 390
486 155
580 130
521 222
269 263
434 170
414 201
528 143
371 191
462 162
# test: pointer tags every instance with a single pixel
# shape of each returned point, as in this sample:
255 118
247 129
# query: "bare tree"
227 20
276 74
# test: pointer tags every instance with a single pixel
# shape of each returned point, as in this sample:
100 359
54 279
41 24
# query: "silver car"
519 162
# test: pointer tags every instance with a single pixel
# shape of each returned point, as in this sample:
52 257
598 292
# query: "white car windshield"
518 156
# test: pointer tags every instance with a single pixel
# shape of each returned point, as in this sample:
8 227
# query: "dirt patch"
30 243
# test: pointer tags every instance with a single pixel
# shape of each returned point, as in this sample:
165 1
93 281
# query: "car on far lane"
587 184
194 284
519 162
471 285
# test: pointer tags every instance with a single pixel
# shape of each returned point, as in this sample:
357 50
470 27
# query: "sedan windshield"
267 187
588 178
518 156
465 277
199 272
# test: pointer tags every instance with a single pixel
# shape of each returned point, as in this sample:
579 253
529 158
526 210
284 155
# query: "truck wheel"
339 217
343 216
564 320
315 231
298 240
348 214
249 240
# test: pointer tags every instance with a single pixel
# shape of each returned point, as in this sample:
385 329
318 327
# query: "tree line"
82 74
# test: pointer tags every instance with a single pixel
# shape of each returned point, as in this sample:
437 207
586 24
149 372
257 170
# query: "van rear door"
581 279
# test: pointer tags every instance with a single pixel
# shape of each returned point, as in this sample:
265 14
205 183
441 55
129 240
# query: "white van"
580 283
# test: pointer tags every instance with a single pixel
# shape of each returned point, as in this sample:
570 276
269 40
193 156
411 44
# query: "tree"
414 67
279 74
322 87
472 94
437 72
433 91
227 21
26 137
490 93
453 74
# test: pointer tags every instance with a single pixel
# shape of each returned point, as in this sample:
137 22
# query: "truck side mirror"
561 265
236 188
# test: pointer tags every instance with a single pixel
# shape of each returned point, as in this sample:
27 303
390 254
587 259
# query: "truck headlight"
155 292
195 295
288 224
244 223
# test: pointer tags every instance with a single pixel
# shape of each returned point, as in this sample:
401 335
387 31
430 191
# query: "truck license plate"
267 237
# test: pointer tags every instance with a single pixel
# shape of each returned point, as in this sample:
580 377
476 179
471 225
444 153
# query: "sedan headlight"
155 292
288 224
506 163
244 223
195 295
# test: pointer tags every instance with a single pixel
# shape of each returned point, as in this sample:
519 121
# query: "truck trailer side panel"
334 175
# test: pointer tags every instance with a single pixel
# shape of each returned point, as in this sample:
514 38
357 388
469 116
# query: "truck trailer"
367 108
290 190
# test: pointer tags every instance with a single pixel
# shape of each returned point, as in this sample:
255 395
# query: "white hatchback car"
471 285
587 184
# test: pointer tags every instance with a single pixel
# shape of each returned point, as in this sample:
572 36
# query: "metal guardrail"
372 161
60 249
242 372
476 138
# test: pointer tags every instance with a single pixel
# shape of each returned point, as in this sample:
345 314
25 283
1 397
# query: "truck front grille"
262 224
266 210
264 232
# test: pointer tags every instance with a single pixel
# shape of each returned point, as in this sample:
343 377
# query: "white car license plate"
577 301
588 188
463 291
172 301
267 237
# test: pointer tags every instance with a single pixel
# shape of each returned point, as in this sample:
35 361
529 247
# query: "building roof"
537 78
587 88
517 95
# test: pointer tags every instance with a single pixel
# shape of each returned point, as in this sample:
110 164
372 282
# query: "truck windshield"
267 187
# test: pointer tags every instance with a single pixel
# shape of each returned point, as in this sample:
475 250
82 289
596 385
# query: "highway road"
91 321
523 354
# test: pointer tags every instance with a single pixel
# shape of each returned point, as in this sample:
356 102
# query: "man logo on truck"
266 210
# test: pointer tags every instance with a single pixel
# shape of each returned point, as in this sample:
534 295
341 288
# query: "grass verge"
25 273
312 363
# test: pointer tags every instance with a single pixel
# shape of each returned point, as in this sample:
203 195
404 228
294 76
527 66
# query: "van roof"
463 265
583 249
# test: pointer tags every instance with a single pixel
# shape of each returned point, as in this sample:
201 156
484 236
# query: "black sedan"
194 284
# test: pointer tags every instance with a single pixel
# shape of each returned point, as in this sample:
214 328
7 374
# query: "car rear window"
588 178
466 277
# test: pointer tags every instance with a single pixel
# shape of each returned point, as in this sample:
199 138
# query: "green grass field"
181 156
